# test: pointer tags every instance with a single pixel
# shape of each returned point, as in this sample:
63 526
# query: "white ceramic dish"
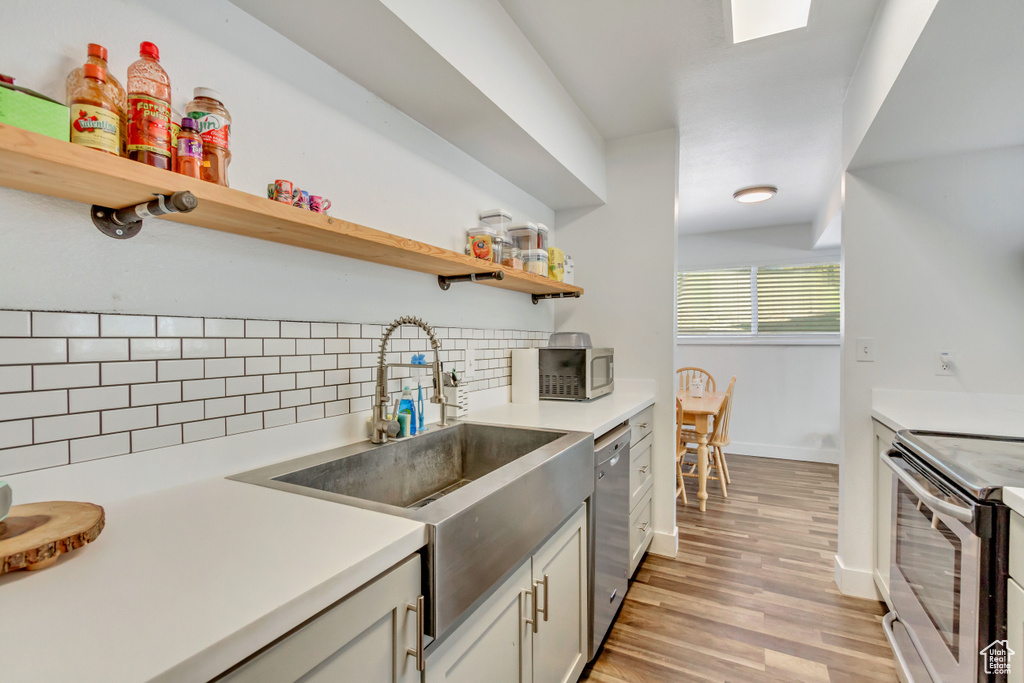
5 500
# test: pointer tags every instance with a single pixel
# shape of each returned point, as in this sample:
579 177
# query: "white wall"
625 260
294 118
787 394
933 260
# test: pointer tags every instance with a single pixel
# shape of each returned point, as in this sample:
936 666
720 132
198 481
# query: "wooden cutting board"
34 535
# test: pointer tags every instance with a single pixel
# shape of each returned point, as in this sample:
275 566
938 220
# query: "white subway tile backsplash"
348 330
262 328
349 391
128 373
244 385
360 375
224 327
33 404
311 412
309 379
221 407
46 324
295 330
95 447
179 327
278 347
128 418
26 351
15 378
323 394
168 370
15 324
307 347
359 404
336 346
278 382
348 360
158 392
202 348
335 408
244 347
65 376
63 427
277 418
336 377
16 433
244 423
361 346
203 388
323 330
173 413
27 458
207 429
101 398
260 402
152 349
294 364
85 350
264 365
225 367
127 325
294 398
325 362
148 439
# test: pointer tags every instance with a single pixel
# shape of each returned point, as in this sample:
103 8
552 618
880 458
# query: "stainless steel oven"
948 566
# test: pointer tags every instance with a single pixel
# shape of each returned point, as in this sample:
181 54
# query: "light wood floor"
750 596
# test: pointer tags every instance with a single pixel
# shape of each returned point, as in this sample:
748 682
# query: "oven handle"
911 479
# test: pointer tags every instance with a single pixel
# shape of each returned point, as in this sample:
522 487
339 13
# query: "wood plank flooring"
751 595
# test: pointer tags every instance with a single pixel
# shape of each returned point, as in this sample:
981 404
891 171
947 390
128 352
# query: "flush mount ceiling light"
752 195
752 19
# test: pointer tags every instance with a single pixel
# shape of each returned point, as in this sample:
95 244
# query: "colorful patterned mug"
319 204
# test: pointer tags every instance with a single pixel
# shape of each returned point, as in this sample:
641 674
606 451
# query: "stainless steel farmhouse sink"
488 494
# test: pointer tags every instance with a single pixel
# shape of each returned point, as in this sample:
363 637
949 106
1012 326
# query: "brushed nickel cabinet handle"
643 425
643 470
418 652
643 527
532 594
543 610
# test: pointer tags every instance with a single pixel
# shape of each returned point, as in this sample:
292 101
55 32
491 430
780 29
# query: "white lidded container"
543 234
481 248
524 236
499 219
535 261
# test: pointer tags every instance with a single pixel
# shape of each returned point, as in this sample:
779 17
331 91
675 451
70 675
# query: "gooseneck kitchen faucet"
384 428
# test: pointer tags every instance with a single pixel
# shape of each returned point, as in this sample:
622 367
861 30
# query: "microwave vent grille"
560 385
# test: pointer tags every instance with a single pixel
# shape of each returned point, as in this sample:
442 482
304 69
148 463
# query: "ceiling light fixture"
752 19
752 195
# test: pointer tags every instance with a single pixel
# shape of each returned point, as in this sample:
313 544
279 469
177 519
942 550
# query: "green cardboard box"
26 109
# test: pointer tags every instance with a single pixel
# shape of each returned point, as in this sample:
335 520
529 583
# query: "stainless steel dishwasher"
609 533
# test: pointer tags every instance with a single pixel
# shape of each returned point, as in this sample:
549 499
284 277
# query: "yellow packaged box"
556 264
23 108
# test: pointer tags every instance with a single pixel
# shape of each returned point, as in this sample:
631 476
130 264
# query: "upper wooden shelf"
37 163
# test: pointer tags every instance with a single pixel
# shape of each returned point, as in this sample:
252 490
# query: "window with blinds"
763 300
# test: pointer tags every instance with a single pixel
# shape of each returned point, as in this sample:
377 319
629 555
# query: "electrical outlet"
865 350
946 363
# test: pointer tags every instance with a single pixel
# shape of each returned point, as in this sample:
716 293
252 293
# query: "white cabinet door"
362 638
560 575
1015 630
640 472
495 644
882 442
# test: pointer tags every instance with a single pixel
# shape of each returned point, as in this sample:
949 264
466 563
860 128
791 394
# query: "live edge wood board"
37 163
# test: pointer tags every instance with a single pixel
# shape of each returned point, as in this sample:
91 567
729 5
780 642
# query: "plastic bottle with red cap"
149 109
97 54
95 120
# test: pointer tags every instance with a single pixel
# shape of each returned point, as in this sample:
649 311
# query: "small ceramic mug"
319 204
697 387
5 500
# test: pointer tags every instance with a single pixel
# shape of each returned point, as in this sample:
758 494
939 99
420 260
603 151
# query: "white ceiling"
767 111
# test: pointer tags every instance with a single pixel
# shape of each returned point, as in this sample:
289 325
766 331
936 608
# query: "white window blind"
715 302
763 300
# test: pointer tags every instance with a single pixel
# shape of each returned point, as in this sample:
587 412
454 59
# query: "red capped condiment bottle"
95 120
97 54
149 109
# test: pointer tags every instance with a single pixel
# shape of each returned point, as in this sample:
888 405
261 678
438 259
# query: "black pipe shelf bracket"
122 224
556 295
445 281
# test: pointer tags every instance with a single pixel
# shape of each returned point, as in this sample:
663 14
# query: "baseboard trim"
765 450
857 583
665 544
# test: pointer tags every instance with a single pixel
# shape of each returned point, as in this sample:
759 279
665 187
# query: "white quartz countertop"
597 416
185 582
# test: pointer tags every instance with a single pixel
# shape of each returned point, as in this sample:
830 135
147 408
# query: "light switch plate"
865 352
945 363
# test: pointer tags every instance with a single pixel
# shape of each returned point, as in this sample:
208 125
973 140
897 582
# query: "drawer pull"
644 425
532 594
643 470
420 615
643 527
543 610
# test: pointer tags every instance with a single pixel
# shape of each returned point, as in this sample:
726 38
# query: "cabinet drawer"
1017 547
640 531
640 472
641 425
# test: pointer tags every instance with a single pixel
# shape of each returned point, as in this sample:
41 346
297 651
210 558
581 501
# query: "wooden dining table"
701 410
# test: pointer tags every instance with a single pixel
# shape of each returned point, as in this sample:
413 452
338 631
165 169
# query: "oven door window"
930 557
601 372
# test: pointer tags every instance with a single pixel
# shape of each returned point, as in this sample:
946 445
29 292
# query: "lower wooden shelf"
37 163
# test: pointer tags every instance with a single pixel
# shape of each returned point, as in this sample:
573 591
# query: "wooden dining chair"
719 438
686 375
680 452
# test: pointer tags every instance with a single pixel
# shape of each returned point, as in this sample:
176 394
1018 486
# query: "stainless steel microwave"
576 374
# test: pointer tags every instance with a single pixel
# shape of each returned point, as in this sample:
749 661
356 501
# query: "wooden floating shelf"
37 163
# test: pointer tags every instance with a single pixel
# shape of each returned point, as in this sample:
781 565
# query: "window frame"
754 337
